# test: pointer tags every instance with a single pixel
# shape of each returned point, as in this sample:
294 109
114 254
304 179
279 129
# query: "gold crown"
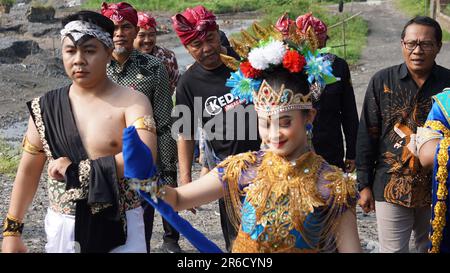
269 101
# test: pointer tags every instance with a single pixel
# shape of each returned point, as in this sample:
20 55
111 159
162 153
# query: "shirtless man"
78 130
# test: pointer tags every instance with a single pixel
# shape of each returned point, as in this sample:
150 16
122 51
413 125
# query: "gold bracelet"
30 148
12 226
145 123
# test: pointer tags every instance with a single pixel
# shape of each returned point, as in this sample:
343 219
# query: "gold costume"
282 206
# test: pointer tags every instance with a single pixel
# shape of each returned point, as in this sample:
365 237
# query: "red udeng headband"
146 21
119 12
194 24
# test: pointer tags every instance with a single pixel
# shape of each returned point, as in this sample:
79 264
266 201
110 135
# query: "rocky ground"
37 69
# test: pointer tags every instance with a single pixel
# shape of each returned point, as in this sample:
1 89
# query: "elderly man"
202 90
391 179
145 42
78 130
147 74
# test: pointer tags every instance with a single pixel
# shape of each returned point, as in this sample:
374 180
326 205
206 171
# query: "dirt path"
383 50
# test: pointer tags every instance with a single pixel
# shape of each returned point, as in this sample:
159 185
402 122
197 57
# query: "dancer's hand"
366 201
57 168
350 165
13 244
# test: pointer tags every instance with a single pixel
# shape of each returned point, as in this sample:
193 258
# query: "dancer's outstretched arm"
202 191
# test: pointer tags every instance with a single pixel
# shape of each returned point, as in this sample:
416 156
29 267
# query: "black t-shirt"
230 125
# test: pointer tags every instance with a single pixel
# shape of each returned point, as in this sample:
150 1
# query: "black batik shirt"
383 162
147 74
336 111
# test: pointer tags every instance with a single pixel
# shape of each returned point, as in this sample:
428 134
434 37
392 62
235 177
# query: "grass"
446 10
356 29
218 6
414 8
7 2
356 37
9 159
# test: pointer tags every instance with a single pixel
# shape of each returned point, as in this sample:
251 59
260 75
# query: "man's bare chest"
100 129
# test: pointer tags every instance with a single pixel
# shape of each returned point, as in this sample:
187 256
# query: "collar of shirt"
404 73
118 67
156 49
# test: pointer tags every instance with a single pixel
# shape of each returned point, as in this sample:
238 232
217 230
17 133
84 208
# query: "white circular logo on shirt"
212 106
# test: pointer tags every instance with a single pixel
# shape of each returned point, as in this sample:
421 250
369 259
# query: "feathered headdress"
284 45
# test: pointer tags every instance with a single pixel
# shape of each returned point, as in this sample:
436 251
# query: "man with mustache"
147 74
204 82
391 180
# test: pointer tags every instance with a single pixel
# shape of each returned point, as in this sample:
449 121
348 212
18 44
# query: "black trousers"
171 235
229 232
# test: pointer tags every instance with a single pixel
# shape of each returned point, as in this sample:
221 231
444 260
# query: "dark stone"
40 14
16 51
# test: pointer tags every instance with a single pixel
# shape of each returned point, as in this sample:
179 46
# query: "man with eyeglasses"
391 179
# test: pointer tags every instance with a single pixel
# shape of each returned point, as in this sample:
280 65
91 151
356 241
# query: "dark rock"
40 14
18 29
15 51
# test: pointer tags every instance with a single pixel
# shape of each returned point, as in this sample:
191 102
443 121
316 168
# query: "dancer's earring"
309 134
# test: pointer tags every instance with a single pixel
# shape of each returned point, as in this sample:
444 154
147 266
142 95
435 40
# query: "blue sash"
138 163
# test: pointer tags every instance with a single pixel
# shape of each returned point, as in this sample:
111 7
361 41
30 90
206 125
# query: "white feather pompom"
257 59
274 52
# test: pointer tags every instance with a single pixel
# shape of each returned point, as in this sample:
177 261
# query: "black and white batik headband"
76 30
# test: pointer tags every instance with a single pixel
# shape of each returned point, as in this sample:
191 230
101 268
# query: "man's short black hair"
425 21
92 17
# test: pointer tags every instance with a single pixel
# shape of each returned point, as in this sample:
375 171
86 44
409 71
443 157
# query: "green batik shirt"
147 74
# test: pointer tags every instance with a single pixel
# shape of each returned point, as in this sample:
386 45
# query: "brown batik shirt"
394 106
170 62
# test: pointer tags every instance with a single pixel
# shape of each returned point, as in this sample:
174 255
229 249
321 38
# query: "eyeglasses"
425 45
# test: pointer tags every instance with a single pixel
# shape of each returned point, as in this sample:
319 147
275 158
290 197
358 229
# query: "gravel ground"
21 82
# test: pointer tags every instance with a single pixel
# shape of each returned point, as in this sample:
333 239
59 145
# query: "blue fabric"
441 108
137 157
138 163
195 237
437 113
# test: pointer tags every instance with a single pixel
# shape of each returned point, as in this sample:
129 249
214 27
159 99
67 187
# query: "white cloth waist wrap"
60 232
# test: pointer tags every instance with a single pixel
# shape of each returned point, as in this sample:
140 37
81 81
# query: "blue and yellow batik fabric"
439 120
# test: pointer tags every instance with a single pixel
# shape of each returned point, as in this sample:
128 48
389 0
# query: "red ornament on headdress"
283 24
305 21
194 24
249 71
119 12
293 61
